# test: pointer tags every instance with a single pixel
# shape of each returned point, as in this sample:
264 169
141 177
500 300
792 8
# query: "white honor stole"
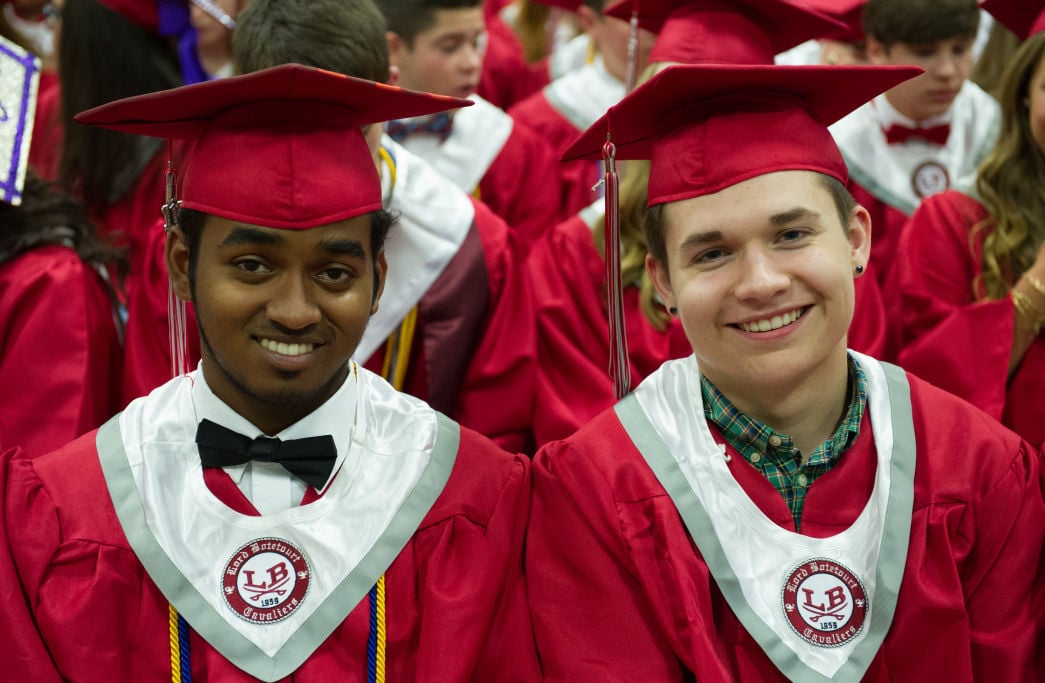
582 96
902 175
434 219
819 607
479 134
267 591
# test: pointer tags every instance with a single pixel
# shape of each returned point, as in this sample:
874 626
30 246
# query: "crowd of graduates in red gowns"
499 313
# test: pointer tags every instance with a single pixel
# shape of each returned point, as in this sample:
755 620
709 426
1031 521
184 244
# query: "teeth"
774 323
287 349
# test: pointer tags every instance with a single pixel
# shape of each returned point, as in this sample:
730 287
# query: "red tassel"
620 365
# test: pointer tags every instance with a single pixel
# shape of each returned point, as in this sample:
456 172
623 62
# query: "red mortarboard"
141 12
849 12
707 127
280 148
1022 17
724 31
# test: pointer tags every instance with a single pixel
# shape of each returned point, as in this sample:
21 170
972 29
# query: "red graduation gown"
953 338
568 277
619 591
521 185
474 350
59 350
575 177
79 606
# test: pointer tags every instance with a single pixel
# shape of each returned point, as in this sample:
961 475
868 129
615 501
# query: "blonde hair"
1011 182
633 246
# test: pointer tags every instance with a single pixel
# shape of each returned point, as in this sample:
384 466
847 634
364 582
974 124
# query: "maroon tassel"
620 366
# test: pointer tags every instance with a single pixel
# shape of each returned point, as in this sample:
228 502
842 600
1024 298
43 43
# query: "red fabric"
493 392
79 606
147 355
59 351
575 177
521 186
619 591
45 149
951 337
573 384
507 78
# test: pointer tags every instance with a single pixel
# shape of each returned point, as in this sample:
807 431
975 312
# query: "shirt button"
775 440
756 457
803 480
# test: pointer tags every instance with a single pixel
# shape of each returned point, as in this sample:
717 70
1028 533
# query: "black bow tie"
311 459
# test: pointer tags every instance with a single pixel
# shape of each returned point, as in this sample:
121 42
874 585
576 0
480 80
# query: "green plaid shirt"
774 454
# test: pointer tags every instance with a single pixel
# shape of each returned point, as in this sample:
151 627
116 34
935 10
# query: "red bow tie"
897 134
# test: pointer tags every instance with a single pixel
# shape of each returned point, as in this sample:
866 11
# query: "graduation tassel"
631 73
175 307
179 638
376 642
620 366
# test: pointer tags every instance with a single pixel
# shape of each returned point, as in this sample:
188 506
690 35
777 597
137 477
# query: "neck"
808 412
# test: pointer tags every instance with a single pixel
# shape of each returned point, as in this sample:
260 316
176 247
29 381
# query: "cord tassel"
620 366
175 307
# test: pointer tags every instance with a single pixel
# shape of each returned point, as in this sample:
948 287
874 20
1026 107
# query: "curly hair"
1011 182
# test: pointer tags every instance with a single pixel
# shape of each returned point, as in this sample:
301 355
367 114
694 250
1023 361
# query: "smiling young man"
280 511
437 46
775 507
927 134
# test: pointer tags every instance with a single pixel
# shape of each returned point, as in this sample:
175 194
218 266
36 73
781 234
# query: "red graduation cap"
724 31
1022 17
281 148
144 13
848 12
707 127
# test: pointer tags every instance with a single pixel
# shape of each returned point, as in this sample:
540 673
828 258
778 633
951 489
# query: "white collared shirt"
269 486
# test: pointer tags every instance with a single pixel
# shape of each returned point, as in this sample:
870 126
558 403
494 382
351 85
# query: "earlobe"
177 256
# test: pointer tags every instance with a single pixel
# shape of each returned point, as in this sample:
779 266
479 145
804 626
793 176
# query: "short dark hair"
345 36
920 21
191 222
407 18
843 201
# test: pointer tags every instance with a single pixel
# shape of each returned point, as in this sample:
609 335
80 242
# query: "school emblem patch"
824 602
930 178
265 580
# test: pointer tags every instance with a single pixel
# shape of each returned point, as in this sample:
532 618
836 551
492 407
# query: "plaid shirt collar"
749 436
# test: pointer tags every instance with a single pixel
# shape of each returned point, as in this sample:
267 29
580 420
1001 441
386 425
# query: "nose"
472 58
762 277
292 306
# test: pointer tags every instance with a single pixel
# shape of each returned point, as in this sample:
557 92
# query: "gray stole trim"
878 189
328 616
891 561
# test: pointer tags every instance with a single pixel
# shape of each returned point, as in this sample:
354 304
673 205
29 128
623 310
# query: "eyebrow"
352 248
796 214
701 238
244 235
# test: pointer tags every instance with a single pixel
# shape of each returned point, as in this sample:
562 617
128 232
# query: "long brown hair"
1011 181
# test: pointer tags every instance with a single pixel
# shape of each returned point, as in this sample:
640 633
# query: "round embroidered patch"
930 178
824 602
265 580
